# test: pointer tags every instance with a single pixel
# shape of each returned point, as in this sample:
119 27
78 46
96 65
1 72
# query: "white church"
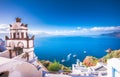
19 60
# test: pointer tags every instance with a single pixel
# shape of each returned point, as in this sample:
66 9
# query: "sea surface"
66 49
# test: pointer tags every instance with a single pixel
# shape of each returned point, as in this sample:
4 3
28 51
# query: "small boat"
84 52
74 55
68 57
62 60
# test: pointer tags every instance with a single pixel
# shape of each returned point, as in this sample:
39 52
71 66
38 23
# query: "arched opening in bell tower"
19 48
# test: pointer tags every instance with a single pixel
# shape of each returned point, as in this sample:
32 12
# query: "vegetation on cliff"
112 54
92 61
88 61
55 66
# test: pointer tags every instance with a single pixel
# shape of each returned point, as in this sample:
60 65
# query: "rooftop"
4 60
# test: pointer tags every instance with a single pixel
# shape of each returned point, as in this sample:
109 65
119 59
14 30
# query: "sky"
62 17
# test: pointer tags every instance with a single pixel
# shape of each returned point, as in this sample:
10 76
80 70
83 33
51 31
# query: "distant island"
115 34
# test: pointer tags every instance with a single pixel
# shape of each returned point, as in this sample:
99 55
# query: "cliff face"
112 54
2 45
90 61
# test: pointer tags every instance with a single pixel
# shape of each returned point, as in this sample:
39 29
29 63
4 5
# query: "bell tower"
19 43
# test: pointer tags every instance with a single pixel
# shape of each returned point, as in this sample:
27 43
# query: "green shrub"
55 66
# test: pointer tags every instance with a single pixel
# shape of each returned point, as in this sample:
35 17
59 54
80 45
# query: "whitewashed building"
79 69
19 59
113 67
19 42
100 70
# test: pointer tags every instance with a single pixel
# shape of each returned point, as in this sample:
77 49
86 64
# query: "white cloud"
81 31
4 28
99 29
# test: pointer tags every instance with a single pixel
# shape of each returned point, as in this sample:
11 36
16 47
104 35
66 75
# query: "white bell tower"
19 43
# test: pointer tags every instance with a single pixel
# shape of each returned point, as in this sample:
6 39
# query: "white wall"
113 67
30 43
19 68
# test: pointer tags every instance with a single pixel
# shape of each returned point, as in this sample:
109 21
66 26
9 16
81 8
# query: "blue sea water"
64 47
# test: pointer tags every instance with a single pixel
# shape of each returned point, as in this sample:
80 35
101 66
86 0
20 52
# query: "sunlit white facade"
113 67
